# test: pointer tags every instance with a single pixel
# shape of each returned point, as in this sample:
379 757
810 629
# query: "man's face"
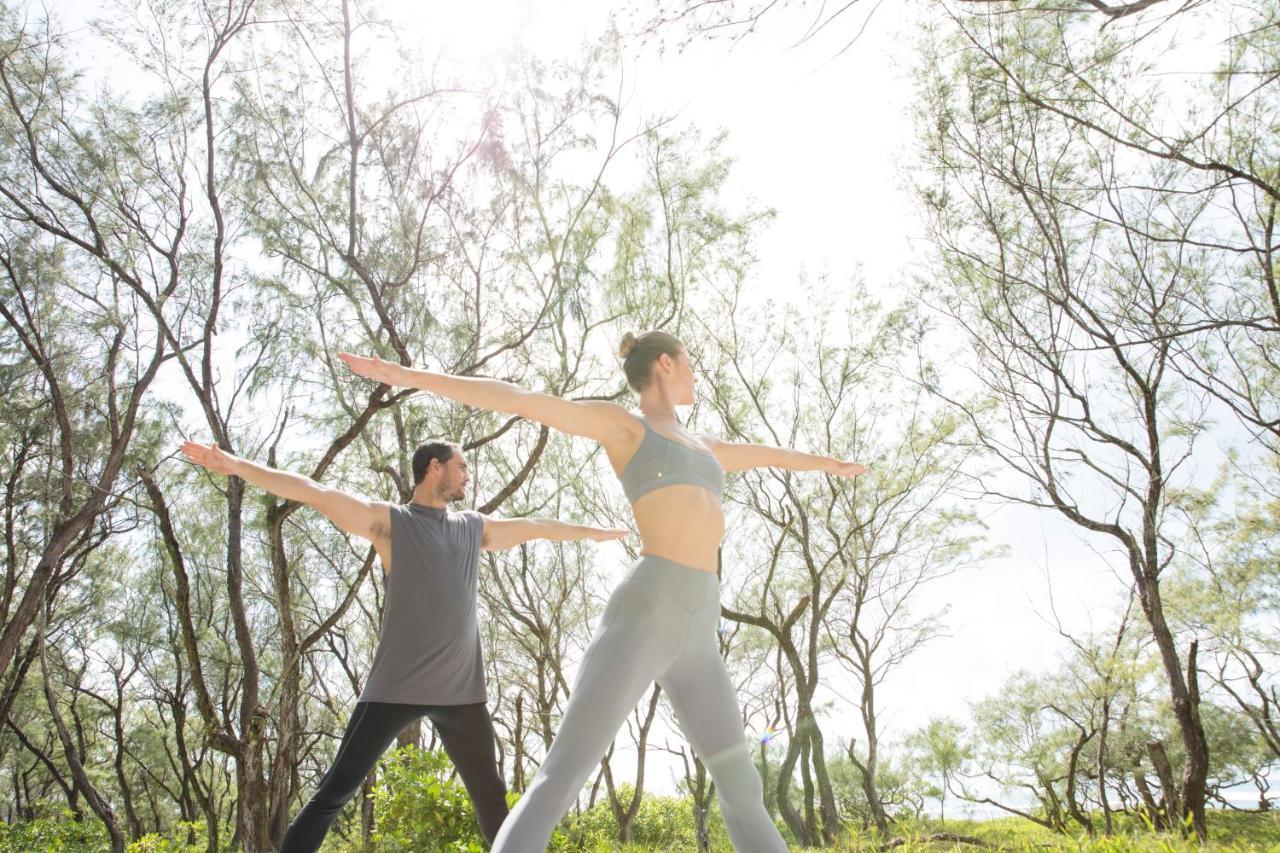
452 485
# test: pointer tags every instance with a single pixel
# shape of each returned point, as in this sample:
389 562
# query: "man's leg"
372 728
466 731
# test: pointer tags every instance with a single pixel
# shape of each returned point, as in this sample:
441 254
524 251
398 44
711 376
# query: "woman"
660 622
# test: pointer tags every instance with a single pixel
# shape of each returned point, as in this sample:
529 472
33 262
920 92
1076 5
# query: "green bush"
416 806
55 829
662 823
175 840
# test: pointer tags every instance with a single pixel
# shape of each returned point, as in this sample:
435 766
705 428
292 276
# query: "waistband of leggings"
693 588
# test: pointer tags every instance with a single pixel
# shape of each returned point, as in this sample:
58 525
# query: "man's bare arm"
500 533
355 515
735 456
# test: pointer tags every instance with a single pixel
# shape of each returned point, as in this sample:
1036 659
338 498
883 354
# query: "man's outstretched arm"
735 456
355 515
500 533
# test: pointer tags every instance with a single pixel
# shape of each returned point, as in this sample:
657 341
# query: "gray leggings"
659 625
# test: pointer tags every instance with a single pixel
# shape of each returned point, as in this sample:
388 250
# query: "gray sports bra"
661 461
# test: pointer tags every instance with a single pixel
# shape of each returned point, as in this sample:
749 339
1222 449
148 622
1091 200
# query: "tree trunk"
122 778
826 794
1155 812
1164 772
1107 823
789 814
251 788
83 784
1073 768
701 790
517 747
870 788
806 778
366 808
283 777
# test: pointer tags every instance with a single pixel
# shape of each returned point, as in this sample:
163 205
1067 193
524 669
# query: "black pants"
467 734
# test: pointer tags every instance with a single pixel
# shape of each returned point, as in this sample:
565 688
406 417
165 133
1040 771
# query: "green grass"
1229 832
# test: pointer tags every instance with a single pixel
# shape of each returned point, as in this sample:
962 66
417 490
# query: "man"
428 662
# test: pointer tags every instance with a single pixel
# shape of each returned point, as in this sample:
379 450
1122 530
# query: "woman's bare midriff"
682 523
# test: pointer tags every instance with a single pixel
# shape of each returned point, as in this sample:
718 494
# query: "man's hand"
602 534
846 469
500 533
212 457
372 367
352 514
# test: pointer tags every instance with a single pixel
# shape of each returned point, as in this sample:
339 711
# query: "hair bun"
629 341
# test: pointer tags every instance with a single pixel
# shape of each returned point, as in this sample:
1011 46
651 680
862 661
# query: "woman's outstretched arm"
734 456
597 419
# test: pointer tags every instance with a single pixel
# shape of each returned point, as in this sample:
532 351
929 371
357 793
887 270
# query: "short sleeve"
475 524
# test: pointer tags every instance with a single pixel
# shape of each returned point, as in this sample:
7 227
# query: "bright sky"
816 138
822 139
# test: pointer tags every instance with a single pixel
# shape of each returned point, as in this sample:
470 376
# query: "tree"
1074 271
834 576
78 274
737 20
1227 590
939 751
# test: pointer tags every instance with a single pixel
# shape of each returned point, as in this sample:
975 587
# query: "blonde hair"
639 352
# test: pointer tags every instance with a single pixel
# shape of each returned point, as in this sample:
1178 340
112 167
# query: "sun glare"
488 31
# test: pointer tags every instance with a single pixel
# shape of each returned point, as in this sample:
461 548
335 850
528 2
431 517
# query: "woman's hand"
372 367
212 457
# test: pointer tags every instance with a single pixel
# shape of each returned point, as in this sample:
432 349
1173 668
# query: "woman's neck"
659 409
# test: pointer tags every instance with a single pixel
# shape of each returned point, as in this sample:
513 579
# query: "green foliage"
895 782
661 823
417 805
185 837
1228 831
939 751
57 829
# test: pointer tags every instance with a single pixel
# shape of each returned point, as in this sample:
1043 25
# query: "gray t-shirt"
429 648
